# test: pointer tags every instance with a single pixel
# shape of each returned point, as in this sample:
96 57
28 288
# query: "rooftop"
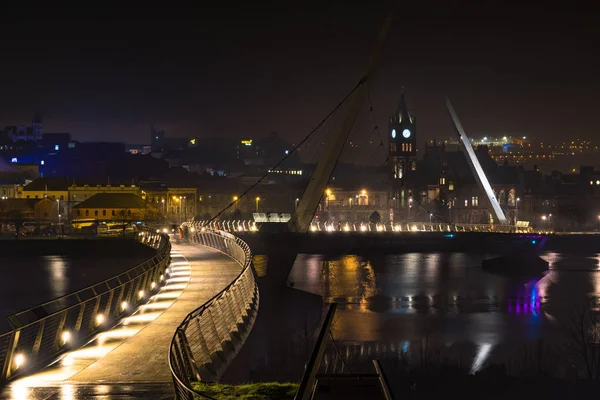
113 200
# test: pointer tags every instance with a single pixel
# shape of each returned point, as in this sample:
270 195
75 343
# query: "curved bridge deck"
131 360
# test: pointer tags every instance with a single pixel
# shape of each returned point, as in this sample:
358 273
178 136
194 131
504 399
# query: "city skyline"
253 71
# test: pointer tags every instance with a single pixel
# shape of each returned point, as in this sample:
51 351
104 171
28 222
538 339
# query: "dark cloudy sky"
245 71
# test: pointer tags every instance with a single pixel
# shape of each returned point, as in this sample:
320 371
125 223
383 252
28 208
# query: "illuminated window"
442 181
466 202
450 185
475 201
56 147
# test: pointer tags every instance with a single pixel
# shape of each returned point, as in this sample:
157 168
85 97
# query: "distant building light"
42 162
287 152
247 142
524 137
56 147
193 141
14 159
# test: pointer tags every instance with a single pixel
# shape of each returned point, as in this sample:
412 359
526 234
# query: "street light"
517 209
430 215
257 200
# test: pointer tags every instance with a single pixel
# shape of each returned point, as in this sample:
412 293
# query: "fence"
210 336
41 333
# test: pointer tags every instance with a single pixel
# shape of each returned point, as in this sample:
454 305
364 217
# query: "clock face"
393 134
406 133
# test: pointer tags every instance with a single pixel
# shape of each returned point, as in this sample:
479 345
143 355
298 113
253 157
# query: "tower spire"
402 114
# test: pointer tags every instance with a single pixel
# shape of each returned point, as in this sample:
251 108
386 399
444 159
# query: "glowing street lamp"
257 200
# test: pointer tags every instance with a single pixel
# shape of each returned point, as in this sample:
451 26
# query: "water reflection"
56 267
401 298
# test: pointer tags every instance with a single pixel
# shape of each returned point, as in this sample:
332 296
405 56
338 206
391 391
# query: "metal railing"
43 332
353 226
211 335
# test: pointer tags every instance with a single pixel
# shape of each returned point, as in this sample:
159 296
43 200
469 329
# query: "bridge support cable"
320 177
292 151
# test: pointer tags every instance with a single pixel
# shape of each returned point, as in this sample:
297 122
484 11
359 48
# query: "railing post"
79 321
38 338
10 353
61 326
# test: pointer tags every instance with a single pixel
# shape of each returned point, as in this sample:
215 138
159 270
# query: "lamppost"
599 222
164 210
430 215
297 200
59 215
409 206
517 210
327 194
180 205
257 200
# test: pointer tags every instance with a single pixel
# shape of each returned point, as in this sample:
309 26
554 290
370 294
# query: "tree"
375 217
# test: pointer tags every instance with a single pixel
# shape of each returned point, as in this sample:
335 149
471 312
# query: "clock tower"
402 138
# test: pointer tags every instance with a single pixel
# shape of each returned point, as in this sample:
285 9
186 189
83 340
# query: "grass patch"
251 391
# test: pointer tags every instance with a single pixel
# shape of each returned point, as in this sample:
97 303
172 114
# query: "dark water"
28 280
391 303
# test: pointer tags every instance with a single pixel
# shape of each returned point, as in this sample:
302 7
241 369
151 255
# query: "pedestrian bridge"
138 333
362 226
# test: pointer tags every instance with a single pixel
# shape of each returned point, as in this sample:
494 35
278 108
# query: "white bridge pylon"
480 177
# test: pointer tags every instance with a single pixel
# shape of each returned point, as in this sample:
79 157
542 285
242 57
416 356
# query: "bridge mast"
318 181
482 181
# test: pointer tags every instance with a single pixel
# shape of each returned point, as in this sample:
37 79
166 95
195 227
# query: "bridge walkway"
131 360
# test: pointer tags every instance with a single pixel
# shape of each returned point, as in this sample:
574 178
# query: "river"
390 303
33 277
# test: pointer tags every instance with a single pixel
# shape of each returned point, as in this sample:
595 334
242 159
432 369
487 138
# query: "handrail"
33 343
307 383
211 335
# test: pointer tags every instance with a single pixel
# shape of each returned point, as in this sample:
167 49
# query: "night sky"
246 71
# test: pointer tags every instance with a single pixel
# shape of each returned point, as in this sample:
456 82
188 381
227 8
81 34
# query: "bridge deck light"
99 319
19 360
65 337
153 285
141 294
160 278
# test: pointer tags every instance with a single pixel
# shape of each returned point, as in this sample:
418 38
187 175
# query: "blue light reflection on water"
449 296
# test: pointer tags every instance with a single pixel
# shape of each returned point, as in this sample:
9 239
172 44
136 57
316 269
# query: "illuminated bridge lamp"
124 306
99 319
153 285
141 294
65 337
19 360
